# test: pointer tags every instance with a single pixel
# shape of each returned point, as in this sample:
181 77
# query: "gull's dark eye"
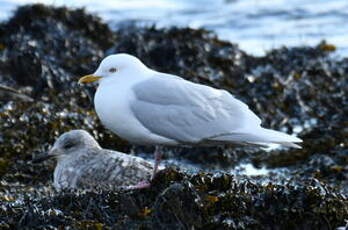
68 145
112 70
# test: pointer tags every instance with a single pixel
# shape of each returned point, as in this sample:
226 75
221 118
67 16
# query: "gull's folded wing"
189 113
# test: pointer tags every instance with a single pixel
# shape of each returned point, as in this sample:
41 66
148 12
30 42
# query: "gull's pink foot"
140 185
146 184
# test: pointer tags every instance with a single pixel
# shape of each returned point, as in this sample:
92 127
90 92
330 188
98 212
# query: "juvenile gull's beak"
42 157
89 78
45 156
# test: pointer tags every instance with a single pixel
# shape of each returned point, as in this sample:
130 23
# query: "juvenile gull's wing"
110 169
187 112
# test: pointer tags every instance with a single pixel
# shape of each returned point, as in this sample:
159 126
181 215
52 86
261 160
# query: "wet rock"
10 94
299 90
194 54
45 48
178 207
197 201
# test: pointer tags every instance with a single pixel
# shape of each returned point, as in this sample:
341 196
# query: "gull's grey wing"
187 112
109 169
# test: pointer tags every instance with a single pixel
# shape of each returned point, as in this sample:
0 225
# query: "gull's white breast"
65 175
112 104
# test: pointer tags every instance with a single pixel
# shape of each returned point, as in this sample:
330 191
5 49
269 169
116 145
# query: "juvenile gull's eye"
112 70
68 145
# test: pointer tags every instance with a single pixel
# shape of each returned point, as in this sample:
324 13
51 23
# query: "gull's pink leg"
158 157
146 184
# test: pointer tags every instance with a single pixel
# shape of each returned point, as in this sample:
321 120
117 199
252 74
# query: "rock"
195 201
10 94
44 50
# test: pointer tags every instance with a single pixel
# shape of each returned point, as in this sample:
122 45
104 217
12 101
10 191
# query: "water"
256 25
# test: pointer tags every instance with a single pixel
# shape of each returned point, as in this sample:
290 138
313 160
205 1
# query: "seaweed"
299 90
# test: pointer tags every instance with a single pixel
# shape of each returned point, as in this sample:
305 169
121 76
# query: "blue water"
256 25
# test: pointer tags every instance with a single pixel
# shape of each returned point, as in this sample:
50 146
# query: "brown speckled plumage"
82 163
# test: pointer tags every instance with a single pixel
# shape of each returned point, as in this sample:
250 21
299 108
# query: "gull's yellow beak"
89 78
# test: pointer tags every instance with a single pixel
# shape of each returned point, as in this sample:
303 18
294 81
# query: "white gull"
148 107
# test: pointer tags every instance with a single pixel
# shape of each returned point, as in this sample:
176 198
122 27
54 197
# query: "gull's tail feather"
290 144
276 137
261 136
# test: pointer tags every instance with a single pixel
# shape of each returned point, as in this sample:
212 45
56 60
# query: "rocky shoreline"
44 50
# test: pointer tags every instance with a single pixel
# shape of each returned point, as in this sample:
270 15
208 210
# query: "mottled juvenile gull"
82 163
144 106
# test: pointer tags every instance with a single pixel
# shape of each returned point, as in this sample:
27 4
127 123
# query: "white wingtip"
290 144
268 136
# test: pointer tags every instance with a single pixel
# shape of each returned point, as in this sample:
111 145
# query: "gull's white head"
113 65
